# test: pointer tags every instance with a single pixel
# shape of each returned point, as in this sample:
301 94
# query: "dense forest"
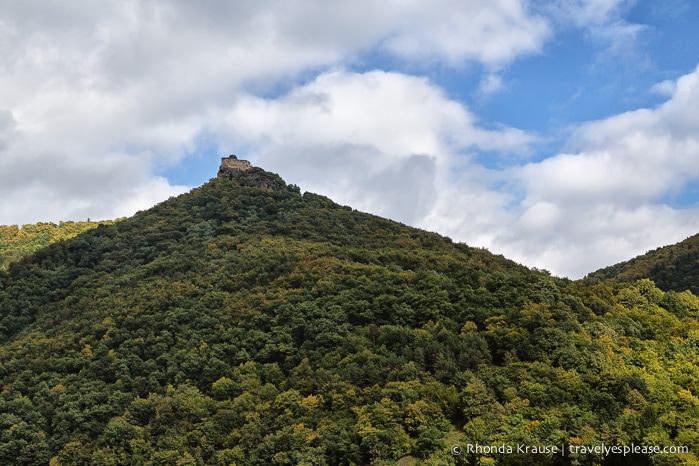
245 323
674 267
17 241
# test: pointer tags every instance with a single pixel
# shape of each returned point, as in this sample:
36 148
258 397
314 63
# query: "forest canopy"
18 241
240 324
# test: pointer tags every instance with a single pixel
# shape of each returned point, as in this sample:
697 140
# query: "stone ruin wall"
232 163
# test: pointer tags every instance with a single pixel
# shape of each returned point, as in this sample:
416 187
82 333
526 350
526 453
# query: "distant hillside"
17 242
245 323
674 267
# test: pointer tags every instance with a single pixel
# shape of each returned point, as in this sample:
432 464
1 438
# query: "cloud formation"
397 146
377 141
604 24
611 197
104 95
96 102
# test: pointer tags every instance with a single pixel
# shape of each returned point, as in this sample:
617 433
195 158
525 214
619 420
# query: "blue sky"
562 134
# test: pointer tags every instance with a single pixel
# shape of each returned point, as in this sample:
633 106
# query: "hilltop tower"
231 165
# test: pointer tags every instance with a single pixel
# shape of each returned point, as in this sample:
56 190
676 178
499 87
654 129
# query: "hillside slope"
674 267
245 323
17 242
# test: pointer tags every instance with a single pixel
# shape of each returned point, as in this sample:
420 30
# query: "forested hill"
674 267
17 241
245 323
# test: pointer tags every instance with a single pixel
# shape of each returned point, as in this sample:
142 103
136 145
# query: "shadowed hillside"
17 242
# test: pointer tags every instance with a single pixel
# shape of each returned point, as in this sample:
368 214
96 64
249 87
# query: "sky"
563 134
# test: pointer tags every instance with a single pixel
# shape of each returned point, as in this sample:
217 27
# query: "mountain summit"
245 174
248 323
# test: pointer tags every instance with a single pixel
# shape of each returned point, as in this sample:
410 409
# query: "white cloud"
48 186
493 33
94 97
607 201
665 88
491 84
83 84
583 13
604 25
383 142
142 197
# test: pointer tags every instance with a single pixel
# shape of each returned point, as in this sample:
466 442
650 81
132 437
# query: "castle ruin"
231 165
